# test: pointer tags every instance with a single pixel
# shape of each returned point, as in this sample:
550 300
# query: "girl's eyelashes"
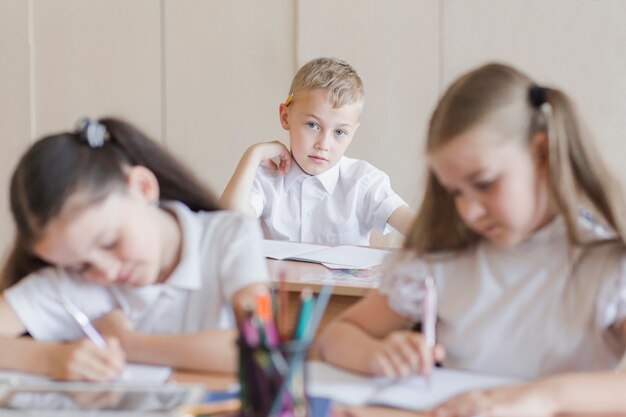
112 244
484 185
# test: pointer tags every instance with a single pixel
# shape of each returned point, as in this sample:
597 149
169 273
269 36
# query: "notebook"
412 393
333 257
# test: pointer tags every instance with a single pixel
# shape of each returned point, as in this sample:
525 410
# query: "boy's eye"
340 133
312 125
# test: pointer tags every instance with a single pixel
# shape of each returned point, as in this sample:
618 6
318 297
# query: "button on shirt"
542 307
221 254
340 206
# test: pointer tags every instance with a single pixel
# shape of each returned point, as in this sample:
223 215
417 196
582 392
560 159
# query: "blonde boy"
314 193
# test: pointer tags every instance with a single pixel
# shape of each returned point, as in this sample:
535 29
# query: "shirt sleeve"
402 282
257 196
611 303
381 201
241 262
35 300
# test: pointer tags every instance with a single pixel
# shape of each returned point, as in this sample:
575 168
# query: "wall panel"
96 58
14 101
228 65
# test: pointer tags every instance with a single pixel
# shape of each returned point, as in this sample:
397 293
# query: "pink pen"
429 316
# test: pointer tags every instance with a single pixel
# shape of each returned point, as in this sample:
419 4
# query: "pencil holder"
273 379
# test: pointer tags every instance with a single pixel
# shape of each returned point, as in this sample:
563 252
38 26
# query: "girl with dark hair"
108 219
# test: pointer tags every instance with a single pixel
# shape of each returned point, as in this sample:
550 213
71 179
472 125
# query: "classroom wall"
206 77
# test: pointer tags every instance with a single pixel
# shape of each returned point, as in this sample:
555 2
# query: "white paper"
337 257
411 393
135 374
281 249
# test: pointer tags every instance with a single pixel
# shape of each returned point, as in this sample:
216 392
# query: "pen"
81 318
306 309
429 316
83 321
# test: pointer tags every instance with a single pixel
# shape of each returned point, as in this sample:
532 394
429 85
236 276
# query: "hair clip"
288 100
91 131
537 95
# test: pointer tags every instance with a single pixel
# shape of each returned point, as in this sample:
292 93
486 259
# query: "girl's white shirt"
543 307
221 254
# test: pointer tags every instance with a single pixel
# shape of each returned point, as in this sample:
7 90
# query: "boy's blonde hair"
342 82
506 100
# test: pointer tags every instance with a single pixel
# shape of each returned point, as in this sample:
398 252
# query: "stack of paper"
335 257
411 393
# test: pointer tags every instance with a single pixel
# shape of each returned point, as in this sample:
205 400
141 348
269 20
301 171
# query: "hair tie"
537 95
91 131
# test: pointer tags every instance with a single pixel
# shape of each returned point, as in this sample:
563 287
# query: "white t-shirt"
340 206
542 307
221 254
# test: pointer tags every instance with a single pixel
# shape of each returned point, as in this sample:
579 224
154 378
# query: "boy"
314 193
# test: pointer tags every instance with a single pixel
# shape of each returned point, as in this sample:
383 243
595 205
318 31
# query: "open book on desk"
333 257
410 393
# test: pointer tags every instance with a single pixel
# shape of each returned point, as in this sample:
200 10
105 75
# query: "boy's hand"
531 399
402 353
83 360
273 155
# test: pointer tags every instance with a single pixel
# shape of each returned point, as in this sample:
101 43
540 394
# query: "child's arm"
79 360
371 338
210 350
592 393
236 195
402 218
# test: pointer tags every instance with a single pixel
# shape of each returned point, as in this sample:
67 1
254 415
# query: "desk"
344 295
220 382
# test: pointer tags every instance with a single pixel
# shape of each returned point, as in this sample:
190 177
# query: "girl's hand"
83 360
525 400
273 155
115 324
403 353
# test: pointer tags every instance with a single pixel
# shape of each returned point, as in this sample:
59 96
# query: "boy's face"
319 134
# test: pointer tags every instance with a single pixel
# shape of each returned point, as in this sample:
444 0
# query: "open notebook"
333 257
411 393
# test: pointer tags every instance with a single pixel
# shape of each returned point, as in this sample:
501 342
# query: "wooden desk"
344 295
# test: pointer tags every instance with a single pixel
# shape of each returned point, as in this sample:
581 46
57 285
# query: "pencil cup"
273 379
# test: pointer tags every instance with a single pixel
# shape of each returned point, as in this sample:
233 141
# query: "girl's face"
499 186
124 239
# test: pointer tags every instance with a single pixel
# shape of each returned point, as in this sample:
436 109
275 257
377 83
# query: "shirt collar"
187 275
328 178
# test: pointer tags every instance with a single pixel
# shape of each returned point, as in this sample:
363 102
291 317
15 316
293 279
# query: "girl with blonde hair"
519 228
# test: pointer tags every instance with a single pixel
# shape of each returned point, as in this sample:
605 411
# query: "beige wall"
206 77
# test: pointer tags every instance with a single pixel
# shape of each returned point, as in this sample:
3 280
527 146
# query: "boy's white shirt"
542 307
340 206
221 254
